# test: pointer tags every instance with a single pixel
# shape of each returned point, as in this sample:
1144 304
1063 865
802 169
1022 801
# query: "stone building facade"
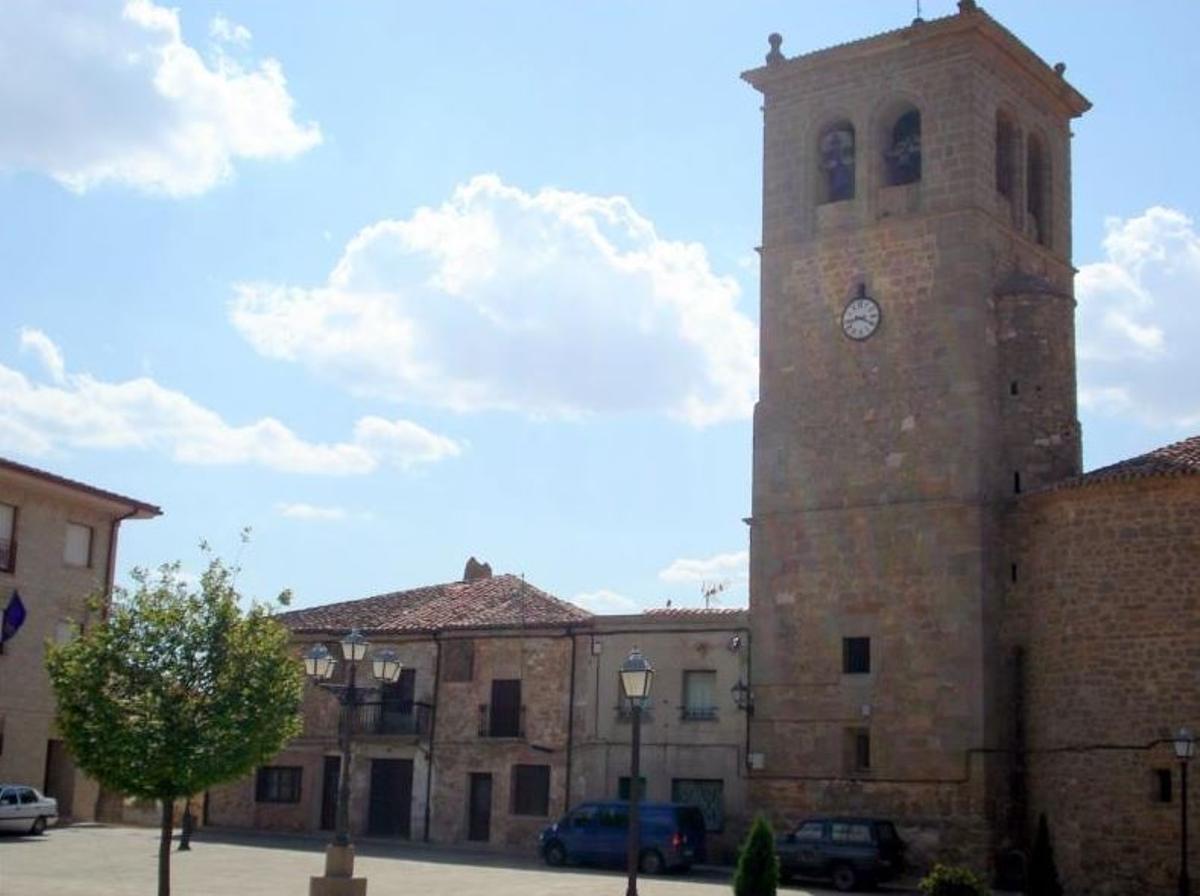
506 715
949 621
693 746
58 544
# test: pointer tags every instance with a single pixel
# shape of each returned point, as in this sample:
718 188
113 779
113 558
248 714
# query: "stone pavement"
96 860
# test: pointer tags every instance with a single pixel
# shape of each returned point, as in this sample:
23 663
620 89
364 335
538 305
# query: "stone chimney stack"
475 570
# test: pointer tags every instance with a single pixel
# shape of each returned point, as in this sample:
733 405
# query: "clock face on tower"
861 317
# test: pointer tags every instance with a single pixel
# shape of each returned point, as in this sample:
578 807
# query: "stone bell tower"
917 370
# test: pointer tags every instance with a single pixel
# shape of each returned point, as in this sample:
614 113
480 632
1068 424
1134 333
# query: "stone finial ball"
775 40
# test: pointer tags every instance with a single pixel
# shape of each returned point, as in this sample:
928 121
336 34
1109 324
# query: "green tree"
175 689
758 864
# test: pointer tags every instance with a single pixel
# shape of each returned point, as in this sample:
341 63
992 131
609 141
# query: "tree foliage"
176 688
758 864
953 880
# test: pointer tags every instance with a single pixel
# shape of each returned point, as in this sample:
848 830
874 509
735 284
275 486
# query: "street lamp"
636 674
1185 748
319 665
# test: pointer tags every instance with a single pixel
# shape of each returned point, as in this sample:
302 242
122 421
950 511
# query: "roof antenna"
918 20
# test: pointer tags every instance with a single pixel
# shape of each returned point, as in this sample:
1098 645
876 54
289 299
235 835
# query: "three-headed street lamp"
1185 748
319 665
636 675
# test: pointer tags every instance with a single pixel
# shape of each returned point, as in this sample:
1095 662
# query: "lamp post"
636 674
319 665
1185 748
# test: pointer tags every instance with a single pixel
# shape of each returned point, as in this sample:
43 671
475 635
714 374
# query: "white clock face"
861 318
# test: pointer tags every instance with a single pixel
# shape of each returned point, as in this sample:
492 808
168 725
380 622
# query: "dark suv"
852 852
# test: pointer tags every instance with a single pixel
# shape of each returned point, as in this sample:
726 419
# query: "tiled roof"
1177 459
141 509
689 612
504 601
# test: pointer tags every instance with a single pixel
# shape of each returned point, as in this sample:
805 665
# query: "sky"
394 284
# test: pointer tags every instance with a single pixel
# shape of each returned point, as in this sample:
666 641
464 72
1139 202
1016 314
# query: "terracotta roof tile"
141 509
504 601
1177 459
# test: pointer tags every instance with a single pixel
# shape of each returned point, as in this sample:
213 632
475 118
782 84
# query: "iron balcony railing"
698 713
625 712
504 724
394 719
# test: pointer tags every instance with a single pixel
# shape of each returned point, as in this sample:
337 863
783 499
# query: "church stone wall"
1104 606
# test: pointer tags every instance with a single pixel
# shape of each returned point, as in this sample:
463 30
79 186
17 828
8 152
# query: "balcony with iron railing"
698 713
625 712
384 719
505 723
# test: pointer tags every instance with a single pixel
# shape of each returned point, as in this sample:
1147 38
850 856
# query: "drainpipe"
437 683
570 723
110 573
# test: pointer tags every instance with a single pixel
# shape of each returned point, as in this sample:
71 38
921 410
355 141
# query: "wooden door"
390 811
329 792
479 808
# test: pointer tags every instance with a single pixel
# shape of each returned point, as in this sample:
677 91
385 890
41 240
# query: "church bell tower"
917 371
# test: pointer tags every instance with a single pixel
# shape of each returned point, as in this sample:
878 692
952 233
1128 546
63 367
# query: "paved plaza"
95 860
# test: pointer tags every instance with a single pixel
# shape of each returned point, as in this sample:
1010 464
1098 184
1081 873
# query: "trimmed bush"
953 880
758 864
1043 873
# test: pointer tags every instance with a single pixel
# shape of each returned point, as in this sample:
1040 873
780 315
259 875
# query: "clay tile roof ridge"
1180 458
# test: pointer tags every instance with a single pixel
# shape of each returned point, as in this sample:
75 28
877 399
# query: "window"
849 832
623 787
858 750
8 797
706 795
700 695
458 661
856 656
836 150
8 541
902 157
531 790
811 830
78 548
612 817
278 784
1162 785
1037 183
1006 156
504 714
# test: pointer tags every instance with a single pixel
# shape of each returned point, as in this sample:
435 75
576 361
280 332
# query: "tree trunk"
164 847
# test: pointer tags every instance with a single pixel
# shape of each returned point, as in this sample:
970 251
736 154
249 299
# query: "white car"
25 810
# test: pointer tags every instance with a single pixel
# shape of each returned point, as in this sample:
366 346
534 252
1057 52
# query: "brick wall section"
55 595
1105 605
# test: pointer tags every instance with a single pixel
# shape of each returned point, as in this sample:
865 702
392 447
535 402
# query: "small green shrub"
758 865
953 880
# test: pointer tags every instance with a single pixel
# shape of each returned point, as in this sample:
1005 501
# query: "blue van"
672 836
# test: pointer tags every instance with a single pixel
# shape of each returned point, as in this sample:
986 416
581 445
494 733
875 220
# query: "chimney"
475 570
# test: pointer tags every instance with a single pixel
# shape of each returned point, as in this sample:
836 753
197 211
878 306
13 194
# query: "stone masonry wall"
1104 605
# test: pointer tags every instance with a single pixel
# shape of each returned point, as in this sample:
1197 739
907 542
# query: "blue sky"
258 259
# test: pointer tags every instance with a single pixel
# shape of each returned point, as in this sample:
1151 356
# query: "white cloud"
549 303
1138 321
604 601
103 91
733 567
39 343
301 511
222 29
79 411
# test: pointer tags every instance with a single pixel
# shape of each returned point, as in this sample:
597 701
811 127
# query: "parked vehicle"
24 810
671 836
851 852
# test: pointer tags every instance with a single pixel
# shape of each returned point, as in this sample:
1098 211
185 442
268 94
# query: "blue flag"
14 617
